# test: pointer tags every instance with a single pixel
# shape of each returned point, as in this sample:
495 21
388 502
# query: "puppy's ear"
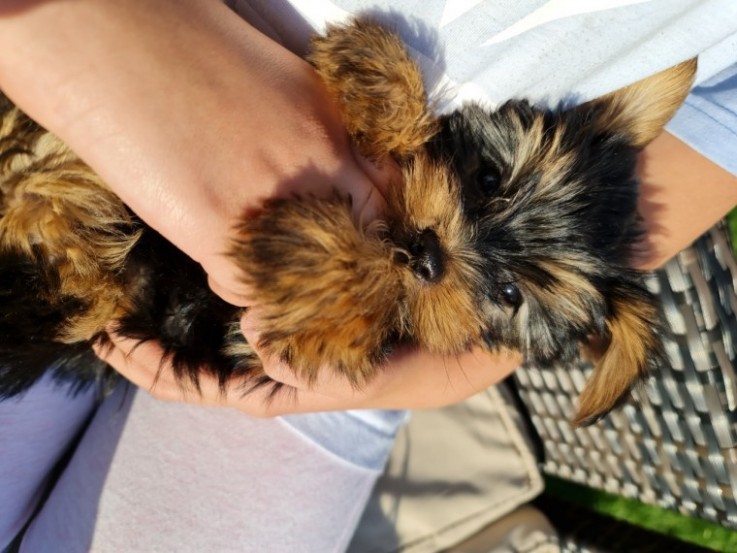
642 109
633 345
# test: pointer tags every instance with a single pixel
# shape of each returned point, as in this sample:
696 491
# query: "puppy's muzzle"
424 256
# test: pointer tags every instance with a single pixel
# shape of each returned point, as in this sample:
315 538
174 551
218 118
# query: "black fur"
173 305
548 227
28 319
588 213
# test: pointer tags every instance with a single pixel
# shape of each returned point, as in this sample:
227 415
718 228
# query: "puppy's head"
515 228
528 242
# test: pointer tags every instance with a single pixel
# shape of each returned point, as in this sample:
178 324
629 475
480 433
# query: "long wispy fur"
509 228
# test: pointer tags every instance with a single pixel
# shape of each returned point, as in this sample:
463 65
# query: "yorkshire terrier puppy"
512 227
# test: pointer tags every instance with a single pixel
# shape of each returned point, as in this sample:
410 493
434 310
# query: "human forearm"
683 194
188 113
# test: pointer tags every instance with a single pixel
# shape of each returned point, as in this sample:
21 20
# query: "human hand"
411 379
238 119
189 114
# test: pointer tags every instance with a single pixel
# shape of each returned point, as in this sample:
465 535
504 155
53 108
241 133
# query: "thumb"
227 293
225 279
273 368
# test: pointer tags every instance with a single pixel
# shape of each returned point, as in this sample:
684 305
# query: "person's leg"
154 476
35 431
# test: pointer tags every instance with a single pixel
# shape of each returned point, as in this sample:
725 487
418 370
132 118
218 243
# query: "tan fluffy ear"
634 344
642 109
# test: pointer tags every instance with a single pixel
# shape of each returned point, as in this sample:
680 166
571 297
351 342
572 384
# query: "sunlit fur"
381 116
508 228
49 199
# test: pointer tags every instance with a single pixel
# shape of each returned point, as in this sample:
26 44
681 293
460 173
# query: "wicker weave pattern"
674 445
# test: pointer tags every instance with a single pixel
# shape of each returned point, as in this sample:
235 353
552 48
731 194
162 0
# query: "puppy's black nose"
427 261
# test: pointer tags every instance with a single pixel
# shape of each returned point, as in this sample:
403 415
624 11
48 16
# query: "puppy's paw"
378 86
327 291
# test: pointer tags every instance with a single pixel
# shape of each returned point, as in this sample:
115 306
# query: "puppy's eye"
511 295
488 182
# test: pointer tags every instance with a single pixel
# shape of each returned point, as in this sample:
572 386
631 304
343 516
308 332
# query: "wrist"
186 111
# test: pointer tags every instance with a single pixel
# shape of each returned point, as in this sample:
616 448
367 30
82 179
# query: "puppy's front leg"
328 291
378 86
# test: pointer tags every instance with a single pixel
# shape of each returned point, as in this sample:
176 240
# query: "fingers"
380 176
434 380
328 382
228 293
411 379
145 365
225 279
273 368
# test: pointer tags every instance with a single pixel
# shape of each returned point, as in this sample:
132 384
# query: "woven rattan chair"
673 445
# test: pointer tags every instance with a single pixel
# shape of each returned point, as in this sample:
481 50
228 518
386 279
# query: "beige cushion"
524 530
451 473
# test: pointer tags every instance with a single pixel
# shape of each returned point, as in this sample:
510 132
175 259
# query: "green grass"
688 529
732 223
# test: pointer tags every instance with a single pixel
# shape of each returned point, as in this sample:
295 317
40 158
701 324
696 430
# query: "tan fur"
318 273
570 291
623 362
52 205
642 109
444 316
381 115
